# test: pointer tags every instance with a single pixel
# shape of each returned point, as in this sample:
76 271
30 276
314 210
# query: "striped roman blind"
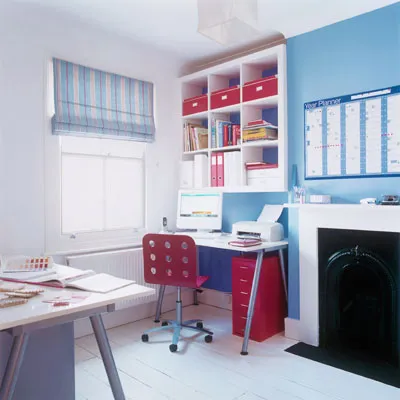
89 102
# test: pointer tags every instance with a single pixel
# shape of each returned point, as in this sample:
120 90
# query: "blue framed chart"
356 135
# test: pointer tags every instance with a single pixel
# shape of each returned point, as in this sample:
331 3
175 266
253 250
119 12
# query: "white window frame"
55 241
59 243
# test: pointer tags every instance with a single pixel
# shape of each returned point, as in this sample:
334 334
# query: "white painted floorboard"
214 371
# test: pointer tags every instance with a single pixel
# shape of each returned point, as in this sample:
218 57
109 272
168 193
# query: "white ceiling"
172 24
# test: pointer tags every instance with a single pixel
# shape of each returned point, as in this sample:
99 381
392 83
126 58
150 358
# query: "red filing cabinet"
270 306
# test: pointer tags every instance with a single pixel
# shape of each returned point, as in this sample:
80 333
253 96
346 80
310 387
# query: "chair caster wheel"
199 325
208 338
145 338
173 348
156 321
164 323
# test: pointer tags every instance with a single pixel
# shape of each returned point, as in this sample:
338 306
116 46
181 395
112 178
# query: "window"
101 187
95 182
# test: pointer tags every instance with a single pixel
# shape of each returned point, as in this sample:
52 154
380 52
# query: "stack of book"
224 133
195 137
259 130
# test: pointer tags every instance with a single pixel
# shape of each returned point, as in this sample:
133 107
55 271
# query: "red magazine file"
214 182
220 169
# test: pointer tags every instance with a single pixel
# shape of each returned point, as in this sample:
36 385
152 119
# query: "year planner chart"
355 135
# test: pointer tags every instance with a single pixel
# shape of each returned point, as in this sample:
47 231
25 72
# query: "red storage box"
225 97
260 88
270 306
195 105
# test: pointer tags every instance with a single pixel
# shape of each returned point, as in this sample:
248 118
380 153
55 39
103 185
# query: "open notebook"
62 276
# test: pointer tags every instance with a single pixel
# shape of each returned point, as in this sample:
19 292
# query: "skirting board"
132 314
215 298
292 329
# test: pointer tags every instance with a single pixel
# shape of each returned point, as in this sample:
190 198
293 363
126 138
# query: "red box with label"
260 88
225 97
270 306
195 105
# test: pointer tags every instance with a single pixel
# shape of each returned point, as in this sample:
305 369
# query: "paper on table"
270 213
65 299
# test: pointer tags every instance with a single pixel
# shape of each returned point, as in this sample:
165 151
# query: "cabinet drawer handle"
244 293
243 280
245 305
244 318
258 88
224 97
244 267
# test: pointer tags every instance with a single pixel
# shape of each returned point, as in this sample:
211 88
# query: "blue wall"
356 55
248 206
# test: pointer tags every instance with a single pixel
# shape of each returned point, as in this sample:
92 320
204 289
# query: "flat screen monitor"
199 210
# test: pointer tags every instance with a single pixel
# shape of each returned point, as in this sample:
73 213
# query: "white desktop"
201 211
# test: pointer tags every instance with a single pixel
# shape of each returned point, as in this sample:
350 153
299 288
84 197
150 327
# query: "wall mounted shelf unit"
261 79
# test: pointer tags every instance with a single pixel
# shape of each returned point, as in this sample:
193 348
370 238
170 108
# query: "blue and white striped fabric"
91 102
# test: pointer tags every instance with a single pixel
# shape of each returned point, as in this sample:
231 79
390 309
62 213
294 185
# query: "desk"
266 247
20 321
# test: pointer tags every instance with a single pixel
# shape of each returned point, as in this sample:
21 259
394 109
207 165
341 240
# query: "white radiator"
127 264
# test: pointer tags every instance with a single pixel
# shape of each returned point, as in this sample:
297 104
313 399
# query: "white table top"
222 243
36 310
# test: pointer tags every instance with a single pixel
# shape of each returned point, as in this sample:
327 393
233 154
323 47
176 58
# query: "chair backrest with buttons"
170 260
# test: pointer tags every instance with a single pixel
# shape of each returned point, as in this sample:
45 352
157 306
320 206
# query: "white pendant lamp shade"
228 21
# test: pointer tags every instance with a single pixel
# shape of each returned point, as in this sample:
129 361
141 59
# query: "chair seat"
201 280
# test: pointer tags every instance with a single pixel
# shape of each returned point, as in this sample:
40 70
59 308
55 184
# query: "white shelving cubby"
273 108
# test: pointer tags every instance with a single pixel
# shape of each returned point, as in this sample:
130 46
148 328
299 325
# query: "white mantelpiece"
334 216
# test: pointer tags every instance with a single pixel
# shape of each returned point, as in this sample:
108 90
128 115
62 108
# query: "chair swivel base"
177 327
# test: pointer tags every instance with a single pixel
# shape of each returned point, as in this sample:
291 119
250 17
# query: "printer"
265 228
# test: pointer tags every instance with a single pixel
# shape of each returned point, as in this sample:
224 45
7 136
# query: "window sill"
95 250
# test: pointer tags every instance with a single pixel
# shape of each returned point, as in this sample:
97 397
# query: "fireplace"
349 289
358 293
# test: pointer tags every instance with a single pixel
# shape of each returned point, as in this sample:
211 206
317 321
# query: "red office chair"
172 260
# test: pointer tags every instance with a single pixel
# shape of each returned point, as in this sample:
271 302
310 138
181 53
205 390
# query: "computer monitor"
199 210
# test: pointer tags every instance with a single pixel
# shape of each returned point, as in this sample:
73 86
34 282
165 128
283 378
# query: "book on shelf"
260 132
236 135
260 165
67 277
195 137
259 123
224 133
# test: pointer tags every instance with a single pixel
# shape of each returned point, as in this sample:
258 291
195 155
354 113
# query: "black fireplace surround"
358 294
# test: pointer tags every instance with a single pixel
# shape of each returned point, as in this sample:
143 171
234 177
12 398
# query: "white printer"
265 228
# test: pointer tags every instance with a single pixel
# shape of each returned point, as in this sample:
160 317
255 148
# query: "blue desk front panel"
217 264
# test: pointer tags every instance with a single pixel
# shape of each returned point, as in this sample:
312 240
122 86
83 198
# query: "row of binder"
225 169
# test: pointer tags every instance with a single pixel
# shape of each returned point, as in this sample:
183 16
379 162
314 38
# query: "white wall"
30 36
